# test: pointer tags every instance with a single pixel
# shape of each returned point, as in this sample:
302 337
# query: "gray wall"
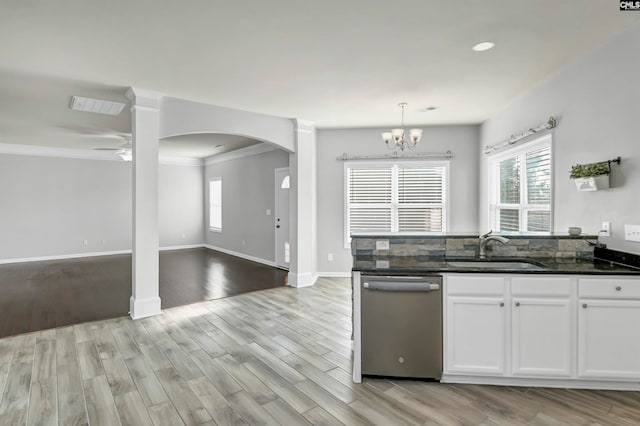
597 103
248 190
181 205
463 172
49 206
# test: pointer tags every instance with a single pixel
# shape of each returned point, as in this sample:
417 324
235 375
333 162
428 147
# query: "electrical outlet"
85 242
605 230
268 212
632 233
330 257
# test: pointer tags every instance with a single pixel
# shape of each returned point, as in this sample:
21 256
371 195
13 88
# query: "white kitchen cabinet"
476 330
542 330
542 337
475 325
609 339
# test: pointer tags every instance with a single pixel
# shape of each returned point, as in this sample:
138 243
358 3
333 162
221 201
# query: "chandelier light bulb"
415 135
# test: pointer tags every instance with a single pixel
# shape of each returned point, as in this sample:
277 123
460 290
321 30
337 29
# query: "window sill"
219 230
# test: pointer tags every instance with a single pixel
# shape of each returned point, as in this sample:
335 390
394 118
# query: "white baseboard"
547 383
305 279
142 308
242 255
93 254
335 274
64 256
186 246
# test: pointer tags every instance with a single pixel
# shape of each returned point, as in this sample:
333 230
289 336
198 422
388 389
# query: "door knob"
517 303
618 288
277 226
584 305
501 303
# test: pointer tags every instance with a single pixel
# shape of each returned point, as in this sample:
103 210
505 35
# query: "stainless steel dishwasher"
402 326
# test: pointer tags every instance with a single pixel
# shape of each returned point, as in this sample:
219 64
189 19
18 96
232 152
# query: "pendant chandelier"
395 138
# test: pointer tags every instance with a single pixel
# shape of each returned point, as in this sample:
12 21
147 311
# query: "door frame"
276 187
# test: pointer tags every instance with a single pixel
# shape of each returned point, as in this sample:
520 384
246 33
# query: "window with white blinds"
215 204
395 197
520 188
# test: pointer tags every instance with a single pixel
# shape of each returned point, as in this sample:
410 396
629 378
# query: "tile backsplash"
468 246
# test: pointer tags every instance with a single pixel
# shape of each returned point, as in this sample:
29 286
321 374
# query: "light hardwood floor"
278 356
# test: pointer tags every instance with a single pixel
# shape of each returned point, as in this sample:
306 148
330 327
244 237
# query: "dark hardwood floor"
40 295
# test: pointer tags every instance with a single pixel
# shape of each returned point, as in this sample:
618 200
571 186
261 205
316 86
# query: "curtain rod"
548 125
395 156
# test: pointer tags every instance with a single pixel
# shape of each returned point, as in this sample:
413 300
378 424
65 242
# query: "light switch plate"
382 245
632 233
605 230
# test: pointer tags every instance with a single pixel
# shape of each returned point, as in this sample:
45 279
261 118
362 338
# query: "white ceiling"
337 63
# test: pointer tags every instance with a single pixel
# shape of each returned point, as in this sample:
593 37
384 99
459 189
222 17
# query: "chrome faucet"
484 239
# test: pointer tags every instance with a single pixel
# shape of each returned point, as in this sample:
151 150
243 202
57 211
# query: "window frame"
214 179
446 201
523 207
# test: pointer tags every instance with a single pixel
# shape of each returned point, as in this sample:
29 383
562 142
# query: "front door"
282 217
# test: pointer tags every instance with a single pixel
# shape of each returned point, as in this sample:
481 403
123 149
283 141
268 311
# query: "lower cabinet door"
476 329
542 337
609 339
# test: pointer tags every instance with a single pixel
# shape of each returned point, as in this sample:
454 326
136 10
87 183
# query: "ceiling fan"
124 151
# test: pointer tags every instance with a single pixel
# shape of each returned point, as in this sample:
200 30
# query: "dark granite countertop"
426 264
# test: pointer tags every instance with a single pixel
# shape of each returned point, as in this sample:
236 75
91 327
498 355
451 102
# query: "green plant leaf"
589 170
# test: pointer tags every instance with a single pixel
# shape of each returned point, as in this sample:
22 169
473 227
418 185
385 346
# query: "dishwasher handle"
400 286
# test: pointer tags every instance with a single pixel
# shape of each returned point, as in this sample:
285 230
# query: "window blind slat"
396 198
419 219
538 164
510 181
509 220
370 185
420 185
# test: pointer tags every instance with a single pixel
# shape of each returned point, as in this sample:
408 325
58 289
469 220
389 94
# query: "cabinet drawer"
475 285
609 288
541 286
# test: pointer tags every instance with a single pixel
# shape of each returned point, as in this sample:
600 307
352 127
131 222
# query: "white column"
145 120
303 217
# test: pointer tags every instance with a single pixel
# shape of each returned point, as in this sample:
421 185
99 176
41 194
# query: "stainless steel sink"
497 264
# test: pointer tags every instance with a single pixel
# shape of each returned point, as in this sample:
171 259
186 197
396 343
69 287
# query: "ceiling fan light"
415 135
126 155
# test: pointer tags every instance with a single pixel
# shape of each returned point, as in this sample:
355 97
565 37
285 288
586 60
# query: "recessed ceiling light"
96 105
485 45
217 146
429 108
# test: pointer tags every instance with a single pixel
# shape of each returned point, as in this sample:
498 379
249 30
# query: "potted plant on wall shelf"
591 177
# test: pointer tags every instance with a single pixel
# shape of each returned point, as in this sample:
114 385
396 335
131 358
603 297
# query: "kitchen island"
566 321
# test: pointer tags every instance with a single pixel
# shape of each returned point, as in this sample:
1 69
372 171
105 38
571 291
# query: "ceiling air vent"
96 105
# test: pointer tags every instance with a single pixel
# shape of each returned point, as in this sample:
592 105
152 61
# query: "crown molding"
239 153
182 161
304 126
85 154
57 152
144 98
